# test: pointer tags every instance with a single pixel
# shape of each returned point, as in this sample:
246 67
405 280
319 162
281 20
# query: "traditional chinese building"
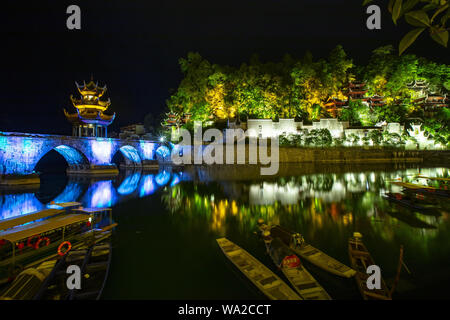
421 87
90 119
376 101
356 91
334 106
432 102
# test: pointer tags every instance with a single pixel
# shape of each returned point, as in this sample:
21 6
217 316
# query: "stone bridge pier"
20 153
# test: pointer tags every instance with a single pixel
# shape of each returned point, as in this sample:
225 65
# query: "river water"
165 248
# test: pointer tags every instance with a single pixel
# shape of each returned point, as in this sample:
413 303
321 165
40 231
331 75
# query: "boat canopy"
279 232
22 219
29 230
91 210
279 250
64 205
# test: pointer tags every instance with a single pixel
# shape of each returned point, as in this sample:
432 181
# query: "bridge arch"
130 155
163 153
75 158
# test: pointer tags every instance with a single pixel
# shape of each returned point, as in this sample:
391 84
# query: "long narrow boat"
360 259
424 189
48 280
264 279
94 264
434 178
303 282
408 202
308 252
29 244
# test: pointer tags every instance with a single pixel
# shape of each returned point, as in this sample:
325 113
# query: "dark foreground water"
165 248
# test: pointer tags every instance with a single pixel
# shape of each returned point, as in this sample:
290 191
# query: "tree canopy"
300 88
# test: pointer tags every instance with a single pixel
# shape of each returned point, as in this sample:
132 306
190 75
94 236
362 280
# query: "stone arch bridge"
20 152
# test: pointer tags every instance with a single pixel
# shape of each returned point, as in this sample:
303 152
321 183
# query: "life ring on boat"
47 242
69 246
29 244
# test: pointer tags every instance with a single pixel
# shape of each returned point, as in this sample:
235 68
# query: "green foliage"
424 14
376 137
319 137
353 139
300 88
438 128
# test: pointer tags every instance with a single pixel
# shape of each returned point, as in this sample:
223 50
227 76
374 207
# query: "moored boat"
261 276
48 280
29 244
94 263
418 188
306 251
302 281
408 202
360 259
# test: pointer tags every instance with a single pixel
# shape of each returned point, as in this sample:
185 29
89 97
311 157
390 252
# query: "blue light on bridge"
131 154
147 150
163 152
102 149
130 184
19 155
71 155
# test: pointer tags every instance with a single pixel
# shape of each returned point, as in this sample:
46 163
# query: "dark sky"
134 47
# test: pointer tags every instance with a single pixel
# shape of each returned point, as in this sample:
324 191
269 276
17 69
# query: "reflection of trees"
314 214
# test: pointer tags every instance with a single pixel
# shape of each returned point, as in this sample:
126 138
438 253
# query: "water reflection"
91 193
327 204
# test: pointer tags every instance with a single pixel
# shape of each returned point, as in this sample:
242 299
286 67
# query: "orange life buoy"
47 242
29 244
69 246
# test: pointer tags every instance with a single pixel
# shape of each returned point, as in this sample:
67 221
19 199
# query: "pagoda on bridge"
90 119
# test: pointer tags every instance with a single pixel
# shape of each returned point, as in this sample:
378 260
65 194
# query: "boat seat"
268 280
306 286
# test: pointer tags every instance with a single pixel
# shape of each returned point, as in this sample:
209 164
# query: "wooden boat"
48 280
29 217
94 264
408 202
310 253
264 279
360 259
26 245
435 178
303 282
424 189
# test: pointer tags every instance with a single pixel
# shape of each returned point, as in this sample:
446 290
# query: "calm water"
164 246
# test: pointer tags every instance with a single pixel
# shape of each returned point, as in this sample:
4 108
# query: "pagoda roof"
91 88
417 84
356 84
95 103
89 117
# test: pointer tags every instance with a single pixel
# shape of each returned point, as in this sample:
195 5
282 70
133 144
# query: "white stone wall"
265 128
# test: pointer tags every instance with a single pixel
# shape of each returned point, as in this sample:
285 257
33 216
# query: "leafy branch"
422 14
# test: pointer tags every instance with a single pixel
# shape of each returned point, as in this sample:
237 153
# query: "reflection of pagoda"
89 120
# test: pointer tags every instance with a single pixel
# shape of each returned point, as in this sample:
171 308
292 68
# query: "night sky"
134 47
